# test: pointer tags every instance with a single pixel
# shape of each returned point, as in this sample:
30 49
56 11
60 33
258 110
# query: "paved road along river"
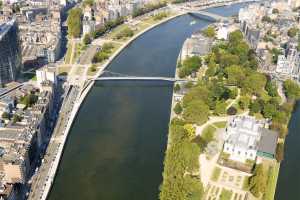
116 146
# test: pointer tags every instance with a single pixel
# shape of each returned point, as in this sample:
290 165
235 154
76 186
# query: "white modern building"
46 74
246 138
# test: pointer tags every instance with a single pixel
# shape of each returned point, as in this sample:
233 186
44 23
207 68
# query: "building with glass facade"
10 52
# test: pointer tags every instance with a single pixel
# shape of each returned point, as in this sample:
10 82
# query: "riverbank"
190 123
120 49
76 108
85 139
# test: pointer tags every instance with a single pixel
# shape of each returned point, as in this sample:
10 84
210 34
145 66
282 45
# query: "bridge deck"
137 78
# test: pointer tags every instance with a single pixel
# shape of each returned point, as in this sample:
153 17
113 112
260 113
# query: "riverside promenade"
51 172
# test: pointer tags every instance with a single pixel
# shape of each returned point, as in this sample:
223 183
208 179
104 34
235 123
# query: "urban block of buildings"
26 121
266 28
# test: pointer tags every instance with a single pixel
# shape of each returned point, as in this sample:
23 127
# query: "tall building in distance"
10 52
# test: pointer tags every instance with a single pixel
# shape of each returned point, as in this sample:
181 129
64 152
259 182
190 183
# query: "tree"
209 32
5 115
254 83
280 128
93 68
191 131
190 65
235 75
89 3
176 87
17 118
292 32
235 37
244 102
212 68
126 32
74 22
233 93
271 88
178 108
87 39
269 110
255 107
266 19
231 110
275 52
196 112
275 11
280 152
241 49
220 108
292 89
258 181
228 59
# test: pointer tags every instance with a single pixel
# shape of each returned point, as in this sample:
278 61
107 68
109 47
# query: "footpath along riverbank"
81 98
77 104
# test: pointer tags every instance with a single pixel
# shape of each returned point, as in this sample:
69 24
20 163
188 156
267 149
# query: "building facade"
10 52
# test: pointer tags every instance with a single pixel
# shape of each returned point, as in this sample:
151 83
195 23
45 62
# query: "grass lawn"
68 54
216 174
77 52
225 194
246 183
116 31
220 124
272 182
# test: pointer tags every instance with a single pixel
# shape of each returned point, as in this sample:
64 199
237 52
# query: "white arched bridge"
114 76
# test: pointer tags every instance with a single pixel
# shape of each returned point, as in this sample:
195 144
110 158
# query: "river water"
116 146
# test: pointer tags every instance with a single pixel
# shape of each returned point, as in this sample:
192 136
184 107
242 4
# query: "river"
116 146
289 176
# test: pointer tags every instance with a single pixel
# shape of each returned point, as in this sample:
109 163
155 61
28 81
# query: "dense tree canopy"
108 26
292 89
196 112
181 161
258 181
190 65
87 39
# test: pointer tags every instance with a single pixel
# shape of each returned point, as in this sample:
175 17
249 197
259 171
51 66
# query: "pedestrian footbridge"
113 76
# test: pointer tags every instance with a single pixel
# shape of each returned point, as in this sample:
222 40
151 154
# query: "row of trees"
148 8
74 22
181 178
126 32
189 66
108 26
104 54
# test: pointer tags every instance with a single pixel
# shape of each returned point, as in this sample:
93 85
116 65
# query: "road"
87 56
42 176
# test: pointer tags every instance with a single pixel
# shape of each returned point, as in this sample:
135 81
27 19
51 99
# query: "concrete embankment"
55 165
